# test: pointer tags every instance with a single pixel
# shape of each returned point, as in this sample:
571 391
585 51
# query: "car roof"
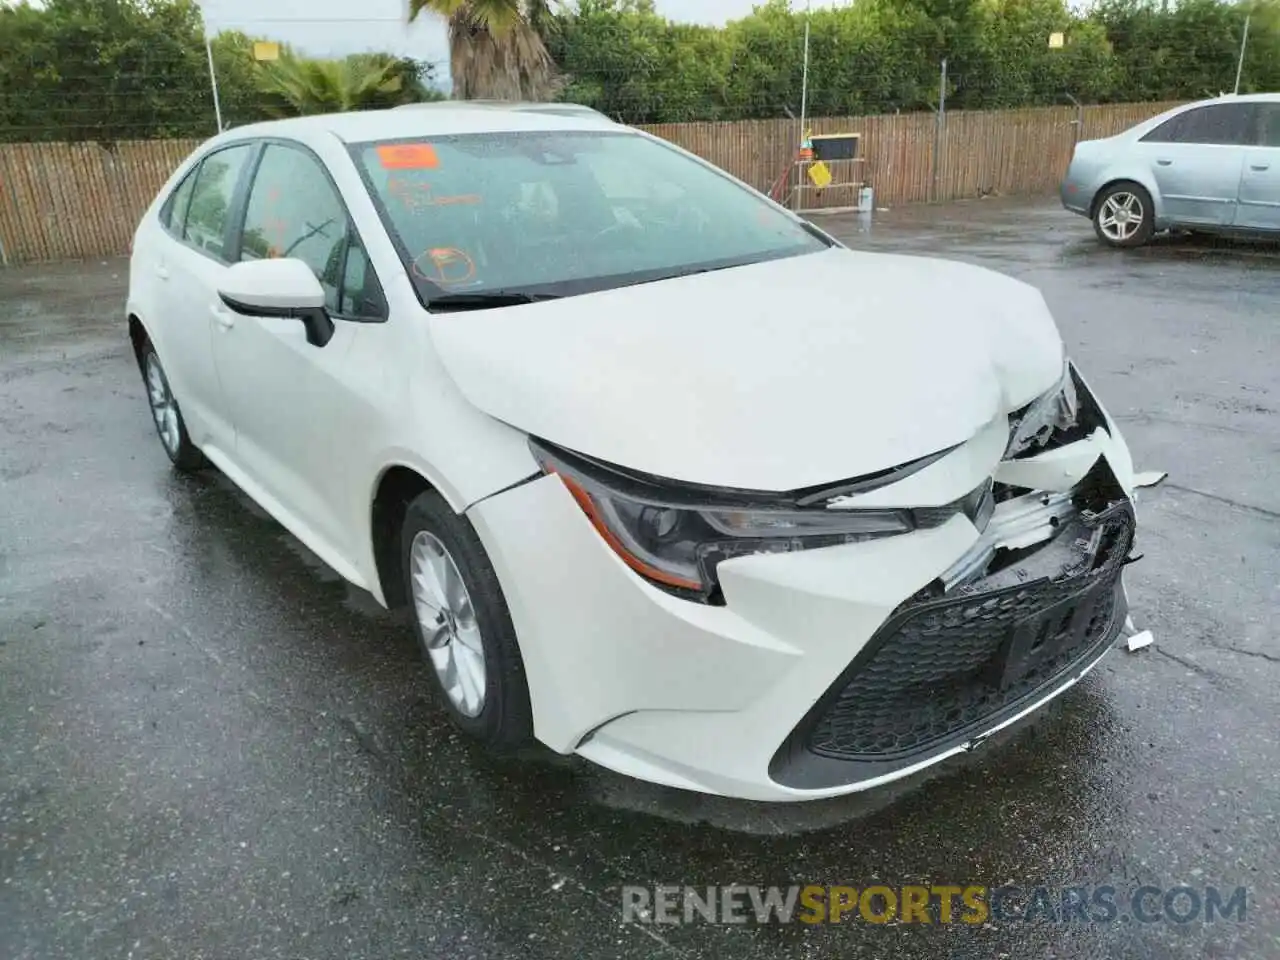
523 106
1238 98
1141 128
441 119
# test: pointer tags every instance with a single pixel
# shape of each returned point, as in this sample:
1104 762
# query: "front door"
285 395
1195 159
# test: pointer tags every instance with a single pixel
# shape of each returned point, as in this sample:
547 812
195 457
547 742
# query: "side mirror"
278 288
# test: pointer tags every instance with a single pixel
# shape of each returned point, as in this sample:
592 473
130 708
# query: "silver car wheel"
448 621
1121 216
164 409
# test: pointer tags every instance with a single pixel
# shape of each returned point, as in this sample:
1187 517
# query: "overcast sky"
324 27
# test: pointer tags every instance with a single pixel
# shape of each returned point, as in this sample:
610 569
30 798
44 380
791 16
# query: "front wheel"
1124 216
463 625
170 426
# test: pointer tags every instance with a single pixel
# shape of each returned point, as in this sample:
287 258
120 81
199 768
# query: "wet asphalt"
210 747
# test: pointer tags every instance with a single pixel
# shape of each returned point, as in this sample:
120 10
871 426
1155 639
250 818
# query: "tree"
495 50
297 85
109 70
103 70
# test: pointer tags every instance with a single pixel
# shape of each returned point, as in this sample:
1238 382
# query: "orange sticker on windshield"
445 265
408 156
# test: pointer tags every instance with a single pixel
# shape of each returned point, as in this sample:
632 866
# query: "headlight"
1053 412
676 537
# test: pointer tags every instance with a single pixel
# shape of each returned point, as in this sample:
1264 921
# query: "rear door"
1258 207
188 268
1196 158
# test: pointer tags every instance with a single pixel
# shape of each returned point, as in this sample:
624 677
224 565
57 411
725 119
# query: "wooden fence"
980 152
62 201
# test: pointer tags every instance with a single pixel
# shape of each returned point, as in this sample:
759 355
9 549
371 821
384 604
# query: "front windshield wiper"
486 300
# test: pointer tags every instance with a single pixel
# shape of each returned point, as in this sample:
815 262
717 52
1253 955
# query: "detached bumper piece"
950 664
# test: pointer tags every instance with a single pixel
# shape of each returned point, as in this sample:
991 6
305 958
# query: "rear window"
1223 124
565 212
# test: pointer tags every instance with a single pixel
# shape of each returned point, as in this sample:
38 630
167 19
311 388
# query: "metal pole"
213 80
804 79
1243 40
937 130
1078 122
804 93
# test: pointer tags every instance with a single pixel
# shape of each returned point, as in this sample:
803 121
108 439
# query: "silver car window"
1268 125
1217 123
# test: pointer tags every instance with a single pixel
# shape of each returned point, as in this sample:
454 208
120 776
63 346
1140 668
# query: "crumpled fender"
1061 469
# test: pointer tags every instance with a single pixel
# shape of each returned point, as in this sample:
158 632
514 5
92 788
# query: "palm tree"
300 86
495 47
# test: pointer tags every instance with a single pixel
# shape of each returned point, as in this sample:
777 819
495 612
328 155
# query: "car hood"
774 376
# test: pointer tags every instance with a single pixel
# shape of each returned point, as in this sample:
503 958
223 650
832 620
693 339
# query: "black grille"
940 667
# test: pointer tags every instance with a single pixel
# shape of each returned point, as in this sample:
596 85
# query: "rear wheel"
170 426
463 625
1124 216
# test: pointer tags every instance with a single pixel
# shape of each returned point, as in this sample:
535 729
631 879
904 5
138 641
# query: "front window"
294 211
561 213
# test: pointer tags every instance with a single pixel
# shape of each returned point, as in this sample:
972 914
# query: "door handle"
223 319
162 272
1165 163
1259 166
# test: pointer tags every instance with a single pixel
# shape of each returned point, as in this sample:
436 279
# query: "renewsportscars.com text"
933 904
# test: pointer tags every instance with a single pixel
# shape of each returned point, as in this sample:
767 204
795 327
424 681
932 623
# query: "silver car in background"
1212 166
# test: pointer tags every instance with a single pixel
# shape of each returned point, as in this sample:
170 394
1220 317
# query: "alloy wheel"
164 409
448 621
1121 216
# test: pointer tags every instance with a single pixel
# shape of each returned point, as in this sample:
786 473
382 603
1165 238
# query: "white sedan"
670 478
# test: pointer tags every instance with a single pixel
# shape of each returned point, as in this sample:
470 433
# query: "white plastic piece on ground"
1140 640
1149 478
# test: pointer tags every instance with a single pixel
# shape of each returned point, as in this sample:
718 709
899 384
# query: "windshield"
565 212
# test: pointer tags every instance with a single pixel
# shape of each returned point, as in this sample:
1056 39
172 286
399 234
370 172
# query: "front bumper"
793 689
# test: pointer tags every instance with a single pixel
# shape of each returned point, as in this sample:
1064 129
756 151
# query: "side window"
214 189
294 211
361 294
1268 125
1225 124
1167 132
174 213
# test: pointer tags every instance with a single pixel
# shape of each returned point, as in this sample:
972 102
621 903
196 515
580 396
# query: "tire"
477 626
1124 215
167 415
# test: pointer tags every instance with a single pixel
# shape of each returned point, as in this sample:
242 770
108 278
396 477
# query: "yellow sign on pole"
820 174
266 50
1056 41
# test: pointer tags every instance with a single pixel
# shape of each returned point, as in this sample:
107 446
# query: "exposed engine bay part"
1014 525
1014 547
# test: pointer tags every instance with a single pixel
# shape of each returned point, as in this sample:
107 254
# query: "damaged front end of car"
1030 607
